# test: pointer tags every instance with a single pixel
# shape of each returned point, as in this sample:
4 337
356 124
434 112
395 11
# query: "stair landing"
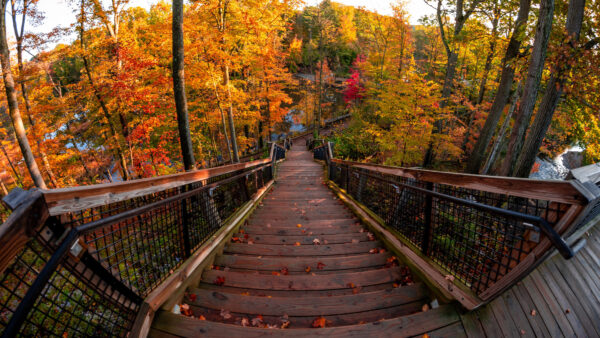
303 265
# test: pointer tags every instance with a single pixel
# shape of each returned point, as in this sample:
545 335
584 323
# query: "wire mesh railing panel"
459 229
93 269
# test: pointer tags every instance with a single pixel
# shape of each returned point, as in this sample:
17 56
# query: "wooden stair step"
328 263
307 231
304 238
301 250
306 282
404 326
305 223
306 306
295 293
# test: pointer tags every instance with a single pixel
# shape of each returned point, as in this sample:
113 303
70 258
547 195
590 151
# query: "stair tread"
301 250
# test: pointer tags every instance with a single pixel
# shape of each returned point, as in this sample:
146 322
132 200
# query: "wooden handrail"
73 199
559 191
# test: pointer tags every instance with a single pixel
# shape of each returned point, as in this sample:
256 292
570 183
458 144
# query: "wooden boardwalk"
561 298
304 257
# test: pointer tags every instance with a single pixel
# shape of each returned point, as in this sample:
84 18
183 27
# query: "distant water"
558 168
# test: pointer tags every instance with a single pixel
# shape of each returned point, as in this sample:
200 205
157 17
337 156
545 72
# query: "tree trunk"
554 90
530 90
115 138
4 189
234 146
223 122
490 56
13 105
502 94
502 133
183 123
19 181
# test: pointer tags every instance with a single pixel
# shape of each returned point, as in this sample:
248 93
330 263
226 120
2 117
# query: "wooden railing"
474 236
81 261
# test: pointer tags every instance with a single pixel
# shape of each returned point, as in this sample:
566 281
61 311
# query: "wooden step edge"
405 326
306 306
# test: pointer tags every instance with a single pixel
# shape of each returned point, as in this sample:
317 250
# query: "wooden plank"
455 330
542 309
22 224
304 238
406 326
301 250
297 293
546 281
489 322
274 263
154 333
472 325
524 299
77 198
341 224
306 306
517 314
580 302
503 317
305 230
307 282
558 191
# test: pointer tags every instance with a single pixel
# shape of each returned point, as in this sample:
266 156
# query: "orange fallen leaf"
284 271
245 322
307 269
533 313
299 225
426 336
319 322
285 324
201 317
297 244
425 308
374 251
275 273
192 297
245 293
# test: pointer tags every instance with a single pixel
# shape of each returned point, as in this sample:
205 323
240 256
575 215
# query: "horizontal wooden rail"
559 191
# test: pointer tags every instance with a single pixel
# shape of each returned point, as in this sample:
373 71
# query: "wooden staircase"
303 265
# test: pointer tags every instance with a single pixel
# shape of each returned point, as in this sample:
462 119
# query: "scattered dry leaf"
220 280
320 266
246 293
425 308
185 310
319 322
225 314
307 269
201 317
316 241
250 242
449 277
370 236
192 297
297 244
299 225
275 273
257 321
355 241
284 271
533 312
285 324
374 251
245 322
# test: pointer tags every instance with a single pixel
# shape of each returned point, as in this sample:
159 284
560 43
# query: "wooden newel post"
428 229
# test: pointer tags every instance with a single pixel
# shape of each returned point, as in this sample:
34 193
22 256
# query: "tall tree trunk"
502 132
4 189
183 123
502 94
554 90
113 131
223 122
492 51
234 146
19 181
530 90
13 105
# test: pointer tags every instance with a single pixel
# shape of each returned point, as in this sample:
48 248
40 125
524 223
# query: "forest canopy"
481 86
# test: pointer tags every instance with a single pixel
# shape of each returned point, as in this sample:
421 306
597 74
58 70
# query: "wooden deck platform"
561 298
303 256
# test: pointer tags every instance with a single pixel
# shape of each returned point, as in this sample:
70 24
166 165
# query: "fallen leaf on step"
316 241
370 236
225 314
185 310
201 317
319 322
533 313
374 251
257 321
245 293
272 326
245 322
250 242
284 271
192 297
307 269
275 273
236 240
354 241
320 266
297 244
449 278
219 280
425 307
381 250
285 324
325 242
299 225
